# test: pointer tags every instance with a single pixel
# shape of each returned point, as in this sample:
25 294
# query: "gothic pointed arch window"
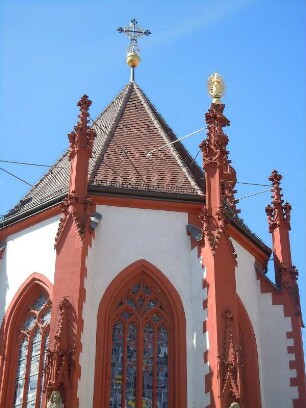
33 341
144 347
140 344
26 339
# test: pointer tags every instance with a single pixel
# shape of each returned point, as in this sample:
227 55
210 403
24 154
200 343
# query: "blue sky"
52 52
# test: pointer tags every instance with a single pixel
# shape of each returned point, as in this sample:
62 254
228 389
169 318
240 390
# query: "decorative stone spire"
72 241
220 175
286 275
81 143
278 214
219 258
76 204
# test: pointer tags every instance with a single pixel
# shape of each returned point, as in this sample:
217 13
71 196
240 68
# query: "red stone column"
72 241
219 260
286 276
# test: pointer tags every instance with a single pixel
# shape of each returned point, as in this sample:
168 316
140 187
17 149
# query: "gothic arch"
250 373
26 294
115 290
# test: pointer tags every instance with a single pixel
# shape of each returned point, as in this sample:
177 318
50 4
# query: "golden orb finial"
132 59
134 32
216 87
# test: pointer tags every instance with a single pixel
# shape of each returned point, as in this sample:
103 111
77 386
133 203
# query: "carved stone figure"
55 400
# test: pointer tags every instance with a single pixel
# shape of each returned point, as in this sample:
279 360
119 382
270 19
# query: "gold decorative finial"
134 32
132 59
216 87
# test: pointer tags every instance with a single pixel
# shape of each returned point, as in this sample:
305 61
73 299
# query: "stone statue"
55 400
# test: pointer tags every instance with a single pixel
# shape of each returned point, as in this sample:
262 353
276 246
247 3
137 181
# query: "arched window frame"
249 359
177 387
10 332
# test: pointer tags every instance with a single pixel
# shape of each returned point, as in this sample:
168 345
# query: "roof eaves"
6 222
33 197
145 194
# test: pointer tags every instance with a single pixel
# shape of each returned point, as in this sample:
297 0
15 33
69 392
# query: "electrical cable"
194 159
252 195
18 178
124 151
253 184
175 141
118 174
25 164
149 154
46 165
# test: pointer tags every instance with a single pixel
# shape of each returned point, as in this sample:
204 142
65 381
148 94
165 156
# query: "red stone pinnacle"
275 179
84 104
278 213
83 136
218 256
214 149
279 226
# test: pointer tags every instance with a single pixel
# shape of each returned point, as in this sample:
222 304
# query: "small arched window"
33 339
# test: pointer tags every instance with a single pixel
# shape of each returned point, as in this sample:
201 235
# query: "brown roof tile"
124 159
127 129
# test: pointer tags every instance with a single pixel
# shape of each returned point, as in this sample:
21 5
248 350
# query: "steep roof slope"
127 130
125 158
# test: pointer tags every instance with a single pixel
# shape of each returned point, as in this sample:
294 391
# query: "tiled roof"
127 130
124 158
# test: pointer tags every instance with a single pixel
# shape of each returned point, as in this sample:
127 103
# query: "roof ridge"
113 100
125 92
161 124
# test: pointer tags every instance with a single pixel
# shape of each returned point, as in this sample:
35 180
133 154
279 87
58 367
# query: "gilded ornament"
132 59
216 87
134 32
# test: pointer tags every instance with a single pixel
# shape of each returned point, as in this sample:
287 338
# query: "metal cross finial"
133 31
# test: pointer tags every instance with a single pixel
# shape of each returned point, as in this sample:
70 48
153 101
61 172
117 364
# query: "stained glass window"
139 362
33 343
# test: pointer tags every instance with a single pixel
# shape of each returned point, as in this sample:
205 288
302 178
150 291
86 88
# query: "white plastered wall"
270 327
28 251
123 236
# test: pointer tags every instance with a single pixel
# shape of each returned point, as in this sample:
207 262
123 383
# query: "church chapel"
128 279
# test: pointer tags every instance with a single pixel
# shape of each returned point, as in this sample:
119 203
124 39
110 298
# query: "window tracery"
140 343
33 342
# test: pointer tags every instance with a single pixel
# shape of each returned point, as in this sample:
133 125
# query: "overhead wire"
14 175
124 151
254 194
195 157
149 154
174 141
118 174
25 163
253 184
